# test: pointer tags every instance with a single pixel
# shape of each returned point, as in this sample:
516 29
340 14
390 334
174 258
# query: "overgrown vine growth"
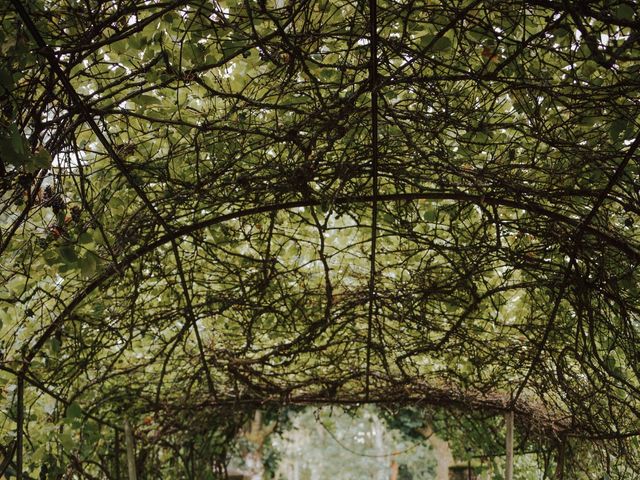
209 206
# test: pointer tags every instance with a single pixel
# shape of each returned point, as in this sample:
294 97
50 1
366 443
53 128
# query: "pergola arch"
190 229
330 201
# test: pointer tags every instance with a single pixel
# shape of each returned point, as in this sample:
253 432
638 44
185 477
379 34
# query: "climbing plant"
213 206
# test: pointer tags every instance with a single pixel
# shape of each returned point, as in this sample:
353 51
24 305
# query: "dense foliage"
208 206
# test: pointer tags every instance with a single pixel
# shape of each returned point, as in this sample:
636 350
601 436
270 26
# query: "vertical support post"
131 457
20 427
192 461
508 471
559 474
116 447
373 85
395 468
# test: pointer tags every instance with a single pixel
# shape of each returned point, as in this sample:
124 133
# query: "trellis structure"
218 204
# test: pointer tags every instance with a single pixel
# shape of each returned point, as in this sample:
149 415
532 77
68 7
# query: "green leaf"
88 265
588 68
6 79
90 436
85 238
17 140
42 159
120 46
73 411
439 45
616 129
193 52
625 11
430 215
584 51
55 345
51 257
388 218
170 17
97 237
13 148
145 100
68 254
443 43
231 48
138 42
560 32
67 441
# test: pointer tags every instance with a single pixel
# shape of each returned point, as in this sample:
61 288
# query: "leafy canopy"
213 204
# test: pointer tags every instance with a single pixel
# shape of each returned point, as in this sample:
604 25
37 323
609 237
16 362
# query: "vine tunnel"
213 207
